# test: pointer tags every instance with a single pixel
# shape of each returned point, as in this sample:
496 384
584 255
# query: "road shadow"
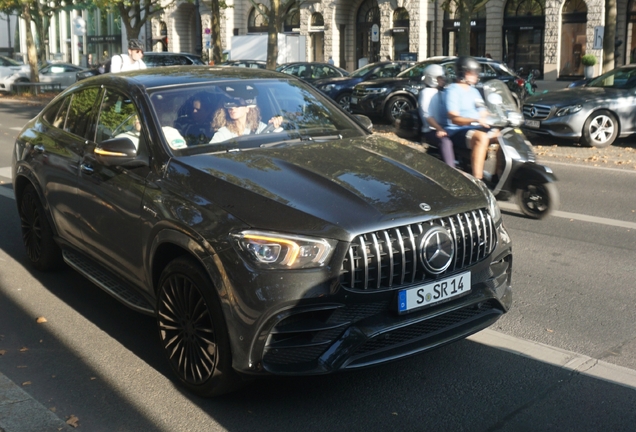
464 386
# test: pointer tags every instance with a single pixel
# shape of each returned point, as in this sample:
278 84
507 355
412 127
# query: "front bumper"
370 105
311 324
566 127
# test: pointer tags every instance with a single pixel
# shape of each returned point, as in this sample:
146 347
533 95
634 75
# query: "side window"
449 71
118 118
80 111
56 114
487 72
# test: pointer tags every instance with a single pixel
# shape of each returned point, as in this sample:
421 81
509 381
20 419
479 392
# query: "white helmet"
431 73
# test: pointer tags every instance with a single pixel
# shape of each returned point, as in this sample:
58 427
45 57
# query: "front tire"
397 106
193 331
344 100
600 129
37 234
537 200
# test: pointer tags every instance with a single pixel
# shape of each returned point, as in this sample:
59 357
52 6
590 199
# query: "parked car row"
391 97
12 72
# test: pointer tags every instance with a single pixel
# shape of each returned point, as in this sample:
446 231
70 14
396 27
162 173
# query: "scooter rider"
432 110
467 113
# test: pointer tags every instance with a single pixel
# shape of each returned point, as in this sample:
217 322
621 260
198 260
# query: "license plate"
354 99
435 292
532 123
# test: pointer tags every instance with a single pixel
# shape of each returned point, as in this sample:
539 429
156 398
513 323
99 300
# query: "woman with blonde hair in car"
239 116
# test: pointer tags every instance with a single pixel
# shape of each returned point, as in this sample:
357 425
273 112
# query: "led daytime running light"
293 246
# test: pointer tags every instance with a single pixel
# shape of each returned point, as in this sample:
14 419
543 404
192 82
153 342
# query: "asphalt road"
563 359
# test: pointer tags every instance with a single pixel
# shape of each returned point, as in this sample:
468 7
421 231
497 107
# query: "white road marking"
558 357
623 170
576 216
16 128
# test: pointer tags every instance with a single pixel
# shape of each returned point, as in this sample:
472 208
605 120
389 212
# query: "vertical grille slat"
389 259
389 250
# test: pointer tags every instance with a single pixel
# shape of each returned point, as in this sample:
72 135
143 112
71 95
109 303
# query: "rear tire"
600 129
192 330
397 106
37 234
537 200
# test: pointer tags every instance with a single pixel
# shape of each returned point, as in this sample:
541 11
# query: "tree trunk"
32 54
609 37
463 42
217 54
272 39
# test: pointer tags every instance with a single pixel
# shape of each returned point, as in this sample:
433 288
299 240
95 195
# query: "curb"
19 412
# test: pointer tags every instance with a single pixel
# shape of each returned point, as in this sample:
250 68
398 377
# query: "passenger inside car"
195 118
240 115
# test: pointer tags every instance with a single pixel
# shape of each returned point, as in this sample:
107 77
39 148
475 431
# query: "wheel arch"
22 180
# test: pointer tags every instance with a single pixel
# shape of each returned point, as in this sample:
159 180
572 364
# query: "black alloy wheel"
192 330
537 200
37 234
397 106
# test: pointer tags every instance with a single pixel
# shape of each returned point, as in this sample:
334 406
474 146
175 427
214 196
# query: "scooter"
511 163
530 85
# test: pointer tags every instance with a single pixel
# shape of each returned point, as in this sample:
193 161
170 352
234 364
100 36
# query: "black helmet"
135 44
465 64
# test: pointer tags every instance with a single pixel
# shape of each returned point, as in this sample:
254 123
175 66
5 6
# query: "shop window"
292 18
573 38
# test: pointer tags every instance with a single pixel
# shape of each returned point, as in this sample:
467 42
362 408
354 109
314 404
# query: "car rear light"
520 82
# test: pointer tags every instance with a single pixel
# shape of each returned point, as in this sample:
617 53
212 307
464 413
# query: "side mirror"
364 121
118 152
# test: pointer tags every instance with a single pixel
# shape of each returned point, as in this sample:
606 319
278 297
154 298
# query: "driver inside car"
240 115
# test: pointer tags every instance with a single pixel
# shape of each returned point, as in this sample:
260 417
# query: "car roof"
173 75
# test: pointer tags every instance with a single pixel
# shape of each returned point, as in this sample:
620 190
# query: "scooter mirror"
495 99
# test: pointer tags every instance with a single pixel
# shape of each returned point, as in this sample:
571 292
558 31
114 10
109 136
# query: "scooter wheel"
537 200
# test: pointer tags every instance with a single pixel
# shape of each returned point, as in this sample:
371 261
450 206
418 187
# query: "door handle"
87 169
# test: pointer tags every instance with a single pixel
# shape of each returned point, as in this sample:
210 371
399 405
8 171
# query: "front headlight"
371 90
283 251
327 87
493 207
569 110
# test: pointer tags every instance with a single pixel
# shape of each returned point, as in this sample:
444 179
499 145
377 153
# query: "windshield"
241 114
11 61
417 70
363 70
622 78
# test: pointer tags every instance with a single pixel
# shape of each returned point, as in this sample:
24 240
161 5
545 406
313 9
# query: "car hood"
574 96
384 81
336 80
336 189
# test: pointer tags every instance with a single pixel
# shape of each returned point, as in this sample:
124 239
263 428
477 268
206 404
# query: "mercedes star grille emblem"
533 112
425 207
436 250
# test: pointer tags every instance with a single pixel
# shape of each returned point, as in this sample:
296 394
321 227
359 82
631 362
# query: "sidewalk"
19 412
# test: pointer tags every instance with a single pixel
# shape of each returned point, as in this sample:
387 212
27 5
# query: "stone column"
494 26
552 40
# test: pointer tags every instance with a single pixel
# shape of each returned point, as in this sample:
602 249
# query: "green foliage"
588 60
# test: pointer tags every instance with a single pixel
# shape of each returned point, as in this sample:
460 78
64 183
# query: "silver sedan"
595 114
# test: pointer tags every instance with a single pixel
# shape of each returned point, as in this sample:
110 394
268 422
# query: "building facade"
548 35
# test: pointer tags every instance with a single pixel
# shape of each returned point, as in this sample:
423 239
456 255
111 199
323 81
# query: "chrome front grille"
389 259
359 92
536 112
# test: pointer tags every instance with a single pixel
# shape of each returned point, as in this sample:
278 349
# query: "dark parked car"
152 59
391 97
312 71
255 64
156 59
340 88
595 114
315 248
